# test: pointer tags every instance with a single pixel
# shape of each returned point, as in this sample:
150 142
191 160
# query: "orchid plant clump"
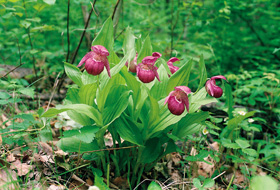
136 110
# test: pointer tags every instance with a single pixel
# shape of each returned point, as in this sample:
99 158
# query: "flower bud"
171 67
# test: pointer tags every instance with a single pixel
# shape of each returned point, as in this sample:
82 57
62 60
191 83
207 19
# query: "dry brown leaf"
7 176
4 118
121 182
60 153
215 146
45 148
89 181
239 178
11 158
22 168
56 187
205 169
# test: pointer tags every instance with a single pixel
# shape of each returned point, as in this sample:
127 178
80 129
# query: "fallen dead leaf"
8 179
205 169
56 187
45 148
22 168
11 158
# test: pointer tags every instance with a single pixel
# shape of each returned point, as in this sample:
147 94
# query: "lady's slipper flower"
133 64
171 67
146 71
178 99
96 60
211 87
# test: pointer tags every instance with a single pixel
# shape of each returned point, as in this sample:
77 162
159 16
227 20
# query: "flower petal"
107 66
185 100
185 89
156 54
218 77
101 50
176 107
167 98
156 73
212 89
172 60
149 60
85 58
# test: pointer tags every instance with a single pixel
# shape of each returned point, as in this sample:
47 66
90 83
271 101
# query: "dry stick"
54 87
68 35
78 47
20 63
115 9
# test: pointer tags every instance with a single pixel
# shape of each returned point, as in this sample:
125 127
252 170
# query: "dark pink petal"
156 54
167 98
144 74
107 66
173 68
149 60
185 89
212 89
156 73
94 67
132 65
101 50
86 57
185 100
172 60
218 77
175 107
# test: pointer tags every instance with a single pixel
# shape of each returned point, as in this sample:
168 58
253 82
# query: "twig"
68 35
108 149
119 34
54 87
20 63
219 175
78 47
115 9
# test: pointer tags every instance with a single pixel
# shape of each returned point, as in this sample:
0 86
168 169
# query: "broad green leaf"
158 91
263 182
202 72
88 78
98 182
50 2
73 73
146 49
105 37
112 112
250 152
229 100
4 95
128 130
151 151
80 118
104 90
228 144
180 77
242 143
190 124
154 186
153 115
129 44
25 23
87 94
73 144
208 183
72 95
233 123
196 183
27 91
80 108
85 134
165 119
